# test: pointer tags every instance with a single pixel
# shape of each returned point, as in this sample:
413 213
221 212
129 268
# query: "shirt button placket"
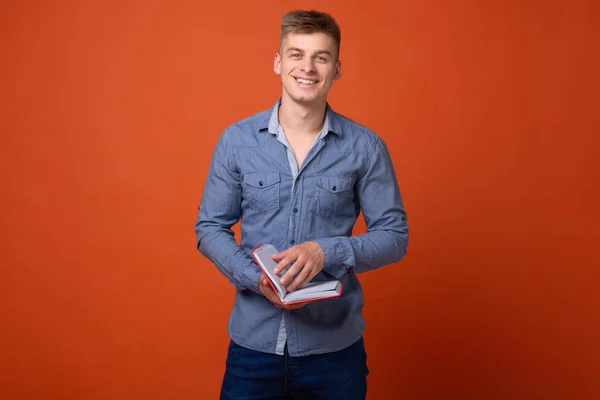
295 212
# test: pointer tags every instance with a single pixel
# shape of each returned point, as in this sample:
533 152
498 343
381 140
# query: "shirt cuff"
249 278
337 257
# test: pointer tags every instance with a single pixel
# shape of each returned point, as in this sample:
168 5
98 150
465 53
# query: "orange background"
109 112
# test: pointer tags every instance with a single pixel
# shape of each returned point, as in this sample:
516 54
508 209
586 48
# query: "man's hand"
272 296
308 260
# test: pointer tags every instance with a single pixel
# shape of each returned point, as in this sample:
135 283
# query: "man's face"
308 65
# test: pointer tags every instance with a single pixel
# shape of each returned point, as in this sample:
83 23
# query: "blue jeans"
253 375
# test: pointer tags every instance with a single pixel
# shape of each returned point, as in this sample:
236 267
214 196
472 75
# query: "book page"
263 255
316 287
333 290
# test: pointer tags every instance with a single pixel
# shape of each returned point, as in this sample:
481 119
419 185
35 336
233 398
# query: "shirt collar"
331 123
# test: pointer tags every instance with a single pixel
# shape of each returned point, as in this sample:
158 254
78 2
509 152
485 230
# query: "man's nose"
309 65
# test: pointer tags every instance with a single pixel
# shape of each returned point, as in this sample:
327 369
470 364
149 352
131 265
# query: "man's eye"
296 55
319 58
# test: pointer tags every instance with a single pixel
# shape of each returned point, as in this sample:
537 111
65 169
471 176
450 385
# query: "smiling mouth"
305 82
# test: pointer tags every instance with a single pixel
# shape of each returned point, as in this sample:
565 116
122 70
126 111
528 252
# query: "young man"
297 176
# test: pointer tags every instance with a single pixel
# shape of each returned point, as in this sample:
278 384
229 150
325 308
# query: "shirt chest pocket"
332 195
261 191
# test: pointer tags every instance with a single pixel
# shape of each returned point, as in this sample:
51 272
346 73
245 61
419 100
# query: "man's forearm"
237 266
362 253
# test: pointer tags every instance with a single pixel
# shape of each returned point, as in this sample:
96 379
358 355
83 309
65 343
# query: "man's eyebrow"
298 50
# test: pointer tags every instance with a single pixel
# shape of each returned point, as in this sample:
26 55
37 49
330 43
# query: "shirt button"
261 183
295 210
403 218
292 242
334 188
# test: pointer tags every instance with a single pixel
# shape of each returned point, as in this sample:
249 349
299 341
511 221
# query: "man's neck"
300 119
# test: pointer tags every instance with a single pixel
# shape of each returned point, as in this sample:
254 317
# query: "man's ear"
338 70
277 64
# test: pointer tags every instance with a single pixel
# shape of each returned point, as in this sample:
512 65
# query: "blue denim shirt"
250 180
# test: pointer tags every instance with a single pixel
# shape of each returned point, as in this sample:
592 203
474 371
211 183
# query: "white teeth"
306 81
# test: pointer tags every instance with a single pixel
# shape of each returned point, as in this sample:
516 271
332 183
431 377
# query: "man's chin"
307 99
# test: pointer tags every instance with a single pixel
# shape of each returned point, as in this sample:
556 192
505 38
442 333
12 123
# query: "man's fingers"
300 279
283 254
280 255
291 272
263 280
272 297
294 306
313 272
285 261
268 292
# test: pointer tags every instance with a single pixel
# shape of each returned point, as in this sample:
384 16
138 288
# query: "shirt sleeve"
386 239
219 210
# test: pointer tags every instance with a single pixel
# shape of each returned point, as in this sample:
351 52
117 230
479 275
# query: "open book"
310 292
